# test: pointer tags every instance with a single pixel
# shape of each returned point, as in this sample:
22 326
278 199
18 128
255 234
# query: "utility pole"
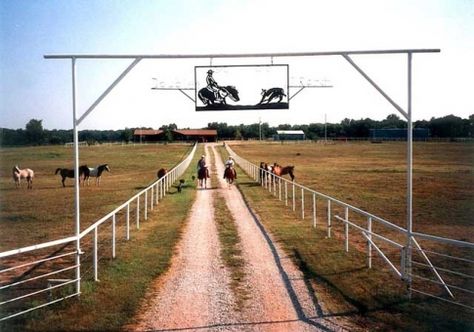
260 128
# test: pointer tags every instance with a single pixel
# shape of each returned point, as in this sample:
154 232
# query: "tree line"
444 127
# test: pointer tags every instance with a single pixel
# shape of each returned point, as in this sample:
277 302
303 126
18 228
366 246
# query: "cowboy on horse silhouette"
214 93
212 84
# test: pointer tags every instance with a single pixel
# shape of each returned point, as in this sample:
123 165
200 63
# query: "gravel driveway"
194 294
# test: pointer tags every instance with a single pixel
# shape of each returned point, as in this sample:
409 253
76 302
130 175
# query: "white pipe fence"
157 191
450 276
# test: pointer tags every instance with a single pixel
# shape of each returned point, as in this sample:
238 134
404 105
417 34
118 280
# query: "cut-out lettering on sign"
231 88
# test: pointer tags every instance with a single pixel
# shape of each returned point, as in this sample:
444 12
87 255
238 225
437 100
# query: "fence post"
165 184
346 228
156 193
403 253
329 218
314 210
113 235
138 212
286 193
96 270
302 203
369 245
128 221
146 204
279 189
151 198
294 200
274 185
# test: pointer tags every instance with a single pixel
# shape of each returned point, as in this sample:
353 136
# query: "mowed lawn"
373 177
46 213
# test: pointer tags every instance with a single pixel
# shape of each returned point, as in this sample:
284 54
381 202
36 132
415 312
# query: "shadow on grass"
309 275
286 280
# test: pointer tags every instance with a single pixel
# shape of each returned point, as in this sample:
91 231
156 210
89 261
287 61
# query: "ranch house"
200 135
148 135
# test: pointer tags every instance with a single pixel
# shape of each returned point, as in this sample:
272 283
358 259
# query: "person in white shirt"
230 164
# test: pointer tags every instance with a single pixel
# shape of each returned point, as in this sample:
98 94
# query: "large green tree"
35 131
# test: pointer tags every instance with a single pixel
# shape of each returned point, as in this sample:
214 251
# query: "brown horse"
19 174
229 175
280 171
161 172
69 173
203 174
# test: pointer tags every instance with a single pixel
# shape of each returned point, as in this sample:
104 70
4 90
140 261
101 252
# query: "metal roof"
290 132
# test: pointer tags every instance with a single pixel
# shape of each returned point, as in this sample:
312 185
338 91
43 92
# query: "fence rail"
453 273
149 196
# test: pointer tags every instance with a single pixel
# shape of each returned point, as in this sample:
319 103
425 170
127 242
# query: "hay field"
47 212
373 177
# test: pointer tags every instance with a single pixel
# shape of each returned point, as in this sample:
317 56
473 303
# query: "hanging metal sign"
230 88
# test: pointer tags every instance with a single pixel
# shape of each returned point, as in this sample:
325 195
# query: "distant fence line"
353 139
60 282
446 276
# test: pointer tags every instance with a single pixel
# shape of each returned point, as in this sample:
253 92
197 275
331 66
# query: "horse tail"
57 170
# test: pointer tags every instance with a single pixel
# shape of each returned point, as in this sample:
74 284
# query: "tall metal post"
409 179
76 179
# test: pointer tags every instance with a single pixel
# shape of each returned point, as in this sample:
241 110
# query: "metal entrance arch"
407 114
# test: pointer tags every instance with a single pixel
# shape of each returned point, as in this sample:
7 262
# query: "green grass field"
368 176
47 212
112 302
371 177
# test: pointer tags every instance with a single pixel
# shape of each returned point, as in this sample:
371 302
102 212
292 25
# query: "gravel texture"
194 295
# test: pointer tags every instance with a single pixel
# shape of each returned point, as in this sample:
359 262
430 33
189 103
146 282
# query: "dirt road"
194 294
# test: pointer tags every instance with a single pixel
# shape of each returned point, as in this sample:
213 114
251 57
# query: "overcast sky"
34 87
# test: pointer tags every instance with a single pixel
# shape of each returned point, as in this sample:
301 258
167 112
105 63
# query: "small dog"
180 185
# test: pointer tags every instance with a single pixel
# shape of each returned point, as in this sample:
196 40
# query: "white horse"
19 174
97 173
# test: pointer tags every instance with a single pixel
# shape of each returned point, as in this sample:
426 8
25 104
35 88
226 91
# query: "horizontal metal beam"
155 88
233 55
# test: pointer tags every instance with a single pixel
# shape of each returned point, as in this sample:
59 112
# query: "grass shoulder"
372 298
114 301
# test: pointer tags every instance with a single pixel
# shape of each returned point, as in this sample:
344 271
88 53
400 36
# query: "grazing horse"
229 175
69 173
280 171
96 173
161 172
19 174
203 174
